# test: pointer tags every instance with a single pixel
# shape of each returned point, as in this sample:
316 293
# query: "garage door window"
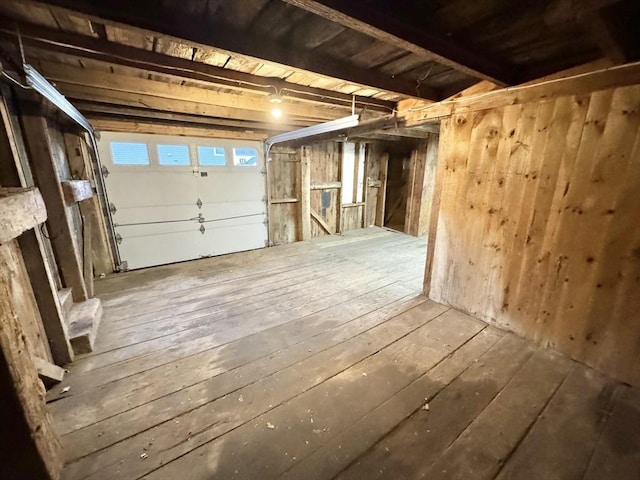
129 153
245 157
211 156
173 155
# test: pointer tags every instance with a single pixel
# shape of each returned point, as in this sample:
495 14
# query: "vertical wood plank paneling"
283 184
538 224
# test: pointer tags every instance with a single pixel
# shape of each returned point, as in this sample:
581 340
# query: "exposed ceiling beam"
105 111
68 75
131 126
118 54
176 23
114 97
613 77
382 26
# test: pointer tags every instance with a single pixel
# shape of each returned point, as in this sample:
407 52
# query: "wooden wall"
283 172
536 225
326 158
410 185
318 181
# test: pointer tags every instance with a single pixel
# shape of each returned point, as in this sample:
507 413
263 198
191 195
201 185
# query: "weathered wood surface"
538 224
76 190
29 446
44 153
21 209
332 346
416 113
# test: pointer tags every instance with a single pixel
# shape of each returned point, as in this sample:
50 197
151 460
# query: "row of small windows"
131 153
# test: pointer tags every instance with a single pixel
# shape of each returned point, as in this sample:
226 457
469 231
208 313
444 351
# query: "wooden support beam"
379 24
304 193
382 192
81 166
613 77
181 25
75 191
316 216
38 146
21 209
29 446
66 75
113 97
118 54
125 126
326 185
15 171
135 114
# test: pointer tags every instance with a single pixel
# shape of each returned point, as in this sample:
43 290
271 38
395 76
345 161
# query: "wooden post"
81 168
32 244
432 228
29 446
382 191
305 194
38 146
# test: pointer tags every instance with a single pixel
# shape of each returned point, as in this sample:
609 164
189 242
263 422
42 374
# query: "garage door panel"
231 188
177 241
174 212
151 188
223 239
155 213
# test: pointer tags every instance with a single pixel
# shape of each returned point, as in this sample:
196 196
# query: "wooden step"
84 320
66 301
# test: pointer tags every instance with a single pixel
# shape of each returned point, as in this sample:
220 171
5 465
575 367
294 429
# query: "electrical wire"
6 75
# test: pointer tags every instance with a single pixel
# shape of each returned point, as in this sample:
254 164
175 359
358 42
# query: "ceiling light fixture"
275 100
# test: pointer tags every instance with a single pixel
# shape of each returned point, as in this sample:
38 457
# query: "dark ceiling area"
326 54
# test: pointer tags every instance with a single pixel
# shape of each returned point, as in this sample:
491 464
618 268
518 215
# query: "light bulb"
276 112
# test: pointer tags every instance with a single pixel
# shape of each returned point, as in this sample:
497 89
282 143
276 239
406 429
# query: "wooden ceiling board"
312 32
276 20
129 37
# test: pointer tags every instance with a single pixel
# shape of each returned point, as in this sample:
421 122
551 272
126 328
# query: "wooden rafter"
177 24
101 50
113 112
382 26
71 76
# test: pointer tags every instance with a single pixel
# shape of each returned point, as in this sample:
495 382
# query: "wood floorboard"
315 360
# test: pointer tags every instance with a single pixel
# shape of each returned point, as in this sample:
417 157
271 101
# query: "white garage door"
180 198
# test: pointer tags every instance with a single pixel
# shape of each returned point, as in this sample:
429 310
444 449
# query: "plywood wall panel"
538 224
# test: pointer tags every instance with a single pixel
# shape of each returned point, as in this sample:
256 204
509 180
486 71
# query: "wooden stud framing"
382 191
305 194
32 245
39 150
90 209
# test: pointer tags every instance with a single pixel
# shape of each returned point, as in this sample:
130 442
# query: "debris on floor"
271 425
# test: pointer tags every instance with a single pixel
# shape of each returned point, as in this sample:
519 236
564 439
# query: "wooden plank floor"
317 360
